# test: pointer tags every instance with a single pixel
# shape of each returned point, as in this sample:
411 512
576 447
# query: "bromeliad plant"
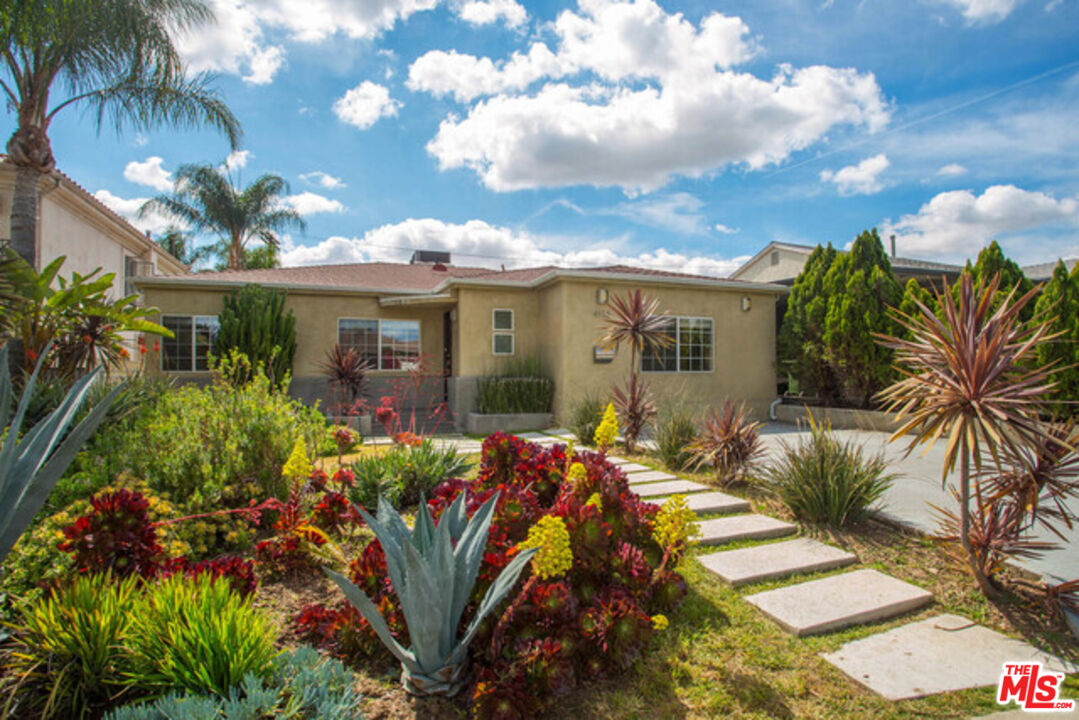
433 570
30 464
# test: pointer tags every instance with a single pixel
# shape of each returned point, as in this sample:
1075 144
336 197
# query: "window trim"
497 331
378 332
677 349
193 367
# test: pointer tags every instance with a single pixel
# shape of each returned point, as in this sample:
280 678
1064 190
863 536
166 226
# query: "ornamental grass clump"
676 431
586 610
824 480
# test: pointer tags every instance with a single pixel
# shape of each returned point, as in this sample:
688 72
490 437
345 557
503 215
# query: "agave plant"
968 376
31 464
635 320
433 570
729 442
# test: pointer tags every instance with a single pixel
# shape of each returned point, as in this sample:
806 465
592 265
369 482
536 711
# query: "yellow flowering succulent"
297 468
596 501
608 428
660 622
676 524
554 557
577 472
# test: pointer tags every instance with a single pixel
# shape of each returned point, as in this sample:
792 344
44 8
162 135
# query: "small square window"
503 319
502 343
775 258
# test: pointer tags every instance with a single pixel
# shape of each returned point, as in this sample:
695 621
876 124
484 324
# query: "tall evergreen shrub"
801 336
1059 302
254 322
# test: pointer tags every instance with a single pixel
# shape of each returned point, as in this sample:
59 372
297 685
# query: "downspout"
772 409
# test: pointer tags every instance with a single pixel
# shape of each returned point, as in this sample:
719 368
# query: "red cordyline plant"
637 321
346 370
729 443
967 377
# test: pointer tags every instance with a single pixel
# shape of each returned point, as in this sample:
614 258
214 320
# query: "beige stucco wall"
744 347
316 314
762 270
475 307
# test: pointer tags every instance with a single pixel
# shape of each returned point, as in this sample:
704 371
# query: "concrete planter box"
358 423
481 424
840 418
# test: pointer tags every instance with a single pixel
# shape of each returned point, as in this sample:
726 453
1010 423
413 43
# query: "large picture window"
385 344
691 351
192 342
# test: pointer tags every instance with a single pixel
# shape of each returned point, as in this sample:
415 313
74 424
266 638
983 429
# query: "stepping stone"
618 461
718 531
940 654
715 502
560 433
647 476
667 488
836 602
767 562
635 468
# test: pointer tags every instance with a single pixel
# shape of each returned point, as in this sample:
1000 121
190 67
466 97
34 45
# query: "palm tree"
176 244
115 59
207 199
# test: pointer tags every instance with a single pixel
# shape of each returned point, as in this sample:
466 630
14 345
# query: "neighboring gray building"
1044 271
781 263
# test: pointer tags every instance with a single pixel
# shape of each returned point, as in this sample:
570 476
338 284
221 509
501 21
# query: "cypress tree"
913 293
860 289
801 336
1059 305
991 262
254 322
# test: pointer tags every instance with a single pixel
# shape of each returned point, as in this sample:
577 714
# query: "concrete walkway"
919 483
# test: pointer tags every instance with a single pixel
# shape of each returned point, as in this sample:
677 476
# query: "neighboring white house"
75 224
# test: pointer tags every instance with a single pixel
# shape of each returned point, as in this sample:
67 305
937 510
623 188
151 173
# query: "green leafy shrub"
69 658
255 323
304 686
508 395
675 431
584 418
405 473
825 480
198 635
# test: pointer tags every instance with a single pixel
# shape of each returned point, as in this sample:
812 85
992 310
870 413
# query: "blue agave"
433 570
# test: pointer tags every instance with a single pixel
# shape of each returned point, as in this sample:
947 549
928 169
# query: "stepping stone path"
637 469
669 487
639 478
714 502
768 562
943 653
837 602
718 531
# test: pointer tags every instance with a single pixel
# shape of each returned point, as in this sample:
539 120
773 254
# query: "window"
502 325
385 344
691 351
775 258
193 340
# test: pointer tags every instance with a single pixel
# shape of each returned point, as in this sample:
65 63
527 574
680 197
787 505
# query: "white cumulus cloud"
364 104
485 12
478 243
234 44
952 170
631 95
860 179
128 208
150 173
317 177
237 160
959 223
309 203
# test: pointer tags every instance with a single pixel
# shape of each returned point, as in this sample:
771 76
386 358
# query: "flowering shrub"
607 430
593 600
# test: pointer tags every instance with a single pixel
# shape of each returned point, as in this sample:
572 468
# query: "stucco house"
465 322
75 224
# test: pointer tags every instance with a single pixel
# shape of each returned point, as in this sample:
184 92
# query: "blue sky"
678 135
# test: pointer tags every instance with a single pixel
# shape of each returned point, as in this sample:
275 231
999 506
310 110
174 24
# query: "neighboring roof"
408 279
1044 271
134 235
899 263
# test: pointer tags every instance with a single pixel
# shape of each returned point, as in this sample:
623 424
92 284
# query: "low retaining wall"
839 418
480 424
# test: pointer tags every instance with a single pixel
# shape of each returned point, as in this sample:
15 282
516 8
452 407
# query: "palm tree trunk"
24 204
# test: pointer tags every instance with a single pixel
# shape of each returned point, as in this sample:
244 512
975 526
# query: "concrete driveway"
919 483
